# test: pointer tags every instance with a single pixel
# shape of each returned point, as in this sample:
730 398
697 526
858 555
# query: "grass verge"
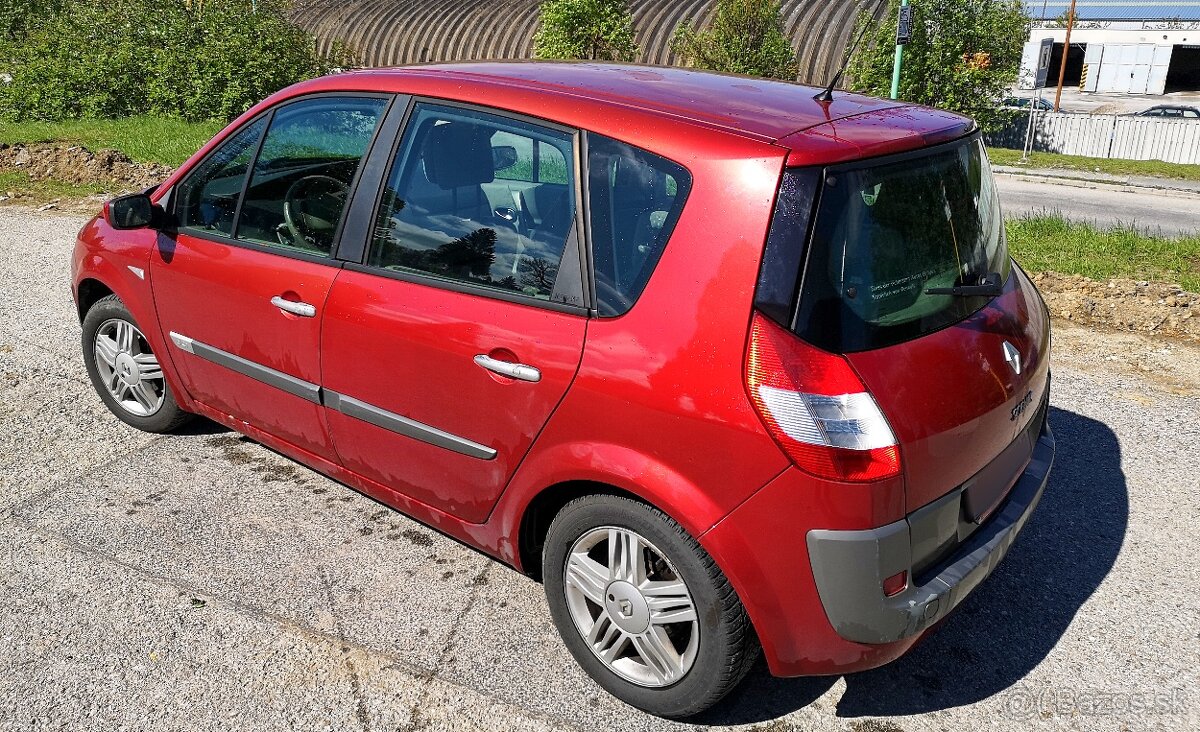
145 139
1150 168
1042 243
36 192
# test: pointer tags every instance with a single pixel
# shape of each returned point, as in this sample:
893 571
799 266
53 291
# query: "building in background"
397 32
1118 46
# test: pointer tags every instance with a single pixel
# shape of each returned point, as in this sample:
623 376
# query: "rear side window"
884 232
464 203
635 199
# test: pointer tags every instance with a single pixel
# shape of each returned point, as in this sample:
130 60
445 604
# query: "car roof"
764 109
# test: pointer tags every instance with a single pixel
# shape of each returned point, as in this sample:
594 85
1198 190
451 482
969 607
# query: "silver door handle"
518 371
302 309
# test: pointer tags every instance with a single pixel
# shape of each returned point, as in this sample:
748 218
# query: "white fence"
1106 136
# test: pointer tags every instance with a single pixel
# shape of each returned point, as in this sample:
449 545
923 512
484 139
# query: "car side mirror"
135 211
504 156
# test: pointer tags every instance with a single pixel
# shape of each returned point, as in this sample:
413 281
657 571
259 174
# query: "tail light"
817 409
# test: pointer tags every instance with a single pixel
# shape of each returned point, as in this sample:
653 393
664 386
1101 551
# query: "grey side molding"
402 425
296 387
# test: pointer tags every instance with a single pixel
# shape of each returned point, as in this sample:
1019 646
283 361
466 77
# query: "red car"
725 365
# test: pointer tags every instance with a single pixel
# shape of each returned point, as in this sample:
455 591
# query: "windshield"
884 232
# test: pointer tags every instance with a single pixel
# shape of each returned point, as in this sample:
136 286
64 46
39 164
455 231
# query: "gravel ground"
200 581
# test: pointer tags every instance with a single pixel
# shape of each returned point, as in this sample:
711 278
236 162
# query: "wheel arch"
90 291
541 510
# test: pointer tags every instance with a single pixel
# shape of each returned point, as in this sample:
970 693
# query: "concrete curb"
1085 179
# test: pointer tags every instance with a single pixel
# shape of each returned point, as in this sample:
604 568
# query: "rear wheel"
643 608
125 370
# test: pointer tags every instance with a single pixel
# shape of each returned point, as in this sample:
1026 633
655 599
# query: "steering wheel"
312 207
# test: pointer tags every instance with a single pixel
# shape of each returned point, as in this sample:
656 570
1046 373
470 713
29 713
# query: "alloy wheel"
128 368
632 608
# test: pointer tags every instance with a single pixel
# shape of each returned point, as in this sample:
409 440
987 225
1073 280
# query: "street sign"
1043 67
904 26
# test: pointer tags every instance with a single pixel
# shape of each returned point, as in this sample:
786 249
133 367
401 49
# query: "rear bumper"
815 594
849 566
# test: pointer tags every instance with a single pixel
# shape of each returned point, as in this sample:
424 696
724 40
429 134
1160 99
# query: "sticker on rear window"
870 195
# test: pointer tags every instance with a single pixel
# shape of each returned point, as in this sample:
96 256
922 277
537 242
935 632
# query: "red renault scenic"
726 366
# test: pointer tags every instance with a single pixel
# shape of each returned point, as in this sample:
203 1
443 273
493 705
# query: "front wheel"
125 371
643 608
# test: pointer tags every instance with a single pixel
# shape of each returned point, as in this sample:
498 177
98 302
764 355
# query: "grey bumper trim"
849 566
269 376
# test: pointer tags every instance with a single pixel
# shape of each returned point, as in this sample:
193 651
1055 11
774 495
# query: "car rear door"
240 286
447 349
899 248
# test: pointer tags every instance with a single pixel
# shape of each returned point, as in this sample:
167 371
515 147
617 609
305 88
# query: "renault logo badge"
1012 356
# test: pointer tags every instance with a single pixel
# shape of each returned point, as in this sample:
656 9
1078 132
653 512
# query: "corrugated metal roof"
398 32
1114 10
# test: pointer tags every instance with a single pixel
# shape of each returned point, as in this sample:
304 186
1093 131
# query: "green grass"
145 139
1042 243
1151 168
41 191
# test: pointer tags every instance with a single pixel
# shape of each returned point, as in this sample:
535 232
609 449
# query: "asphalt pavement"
1155 211
200 581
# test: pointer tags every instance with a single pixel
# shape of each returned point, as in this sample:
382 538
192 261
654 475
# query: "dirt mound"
1125 305
74 164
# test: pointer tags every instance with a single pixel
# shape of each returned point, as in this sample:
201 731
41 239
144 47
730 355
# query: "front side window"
467 200
207 199
300 182
635 198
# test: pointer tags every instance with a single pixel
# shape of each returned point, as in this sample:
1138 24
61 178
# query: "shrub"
199 61
586 29
16 14
745 37
963 56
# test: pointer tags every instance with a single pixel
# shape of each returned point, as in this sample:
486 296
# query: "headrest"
636 180
459 154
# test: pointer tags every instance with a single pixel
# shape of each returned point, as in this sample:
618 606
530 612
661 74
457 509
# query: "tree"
586 29
745 37
963 57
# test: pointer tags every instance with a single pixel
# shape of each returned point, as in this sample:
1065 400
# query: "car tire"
125 371
688 656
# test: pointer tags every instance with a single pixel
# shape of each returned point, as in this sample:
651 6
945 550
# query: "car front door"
240 285
446 351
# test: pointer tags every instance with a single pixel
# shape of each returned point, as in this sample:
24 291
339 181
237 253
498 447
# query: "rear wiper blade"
990 285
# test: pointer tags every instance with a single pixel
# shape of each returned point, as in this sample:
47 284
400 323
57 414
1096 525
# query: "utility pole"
1062 67
903 36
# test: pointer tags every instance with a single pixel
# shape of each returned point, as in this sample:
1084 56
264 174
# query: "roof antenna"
826 95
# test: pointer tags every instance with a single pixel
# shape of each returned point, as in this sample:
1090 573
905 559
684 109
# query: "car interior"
300 181
446 212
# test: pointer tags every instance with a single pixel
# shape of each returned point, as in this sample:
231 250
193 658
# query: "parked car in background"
1038 103
1171 111
727 367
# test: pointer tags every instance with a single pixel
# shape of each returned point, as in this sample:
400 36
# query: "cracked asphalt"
200 581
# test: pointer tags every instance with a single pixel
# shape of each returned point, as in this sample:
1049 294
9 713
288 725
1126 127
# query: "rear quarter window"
635 199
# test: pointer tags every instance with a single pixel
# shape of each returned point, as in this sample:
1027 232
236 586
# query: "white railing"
1105 136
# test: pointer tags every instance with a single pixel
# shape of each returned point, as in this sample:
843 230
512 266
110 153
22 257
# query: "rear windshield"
884 232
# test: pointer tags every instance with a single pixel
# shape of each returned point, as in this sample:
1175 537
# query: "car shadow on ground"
1011 622
200 426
